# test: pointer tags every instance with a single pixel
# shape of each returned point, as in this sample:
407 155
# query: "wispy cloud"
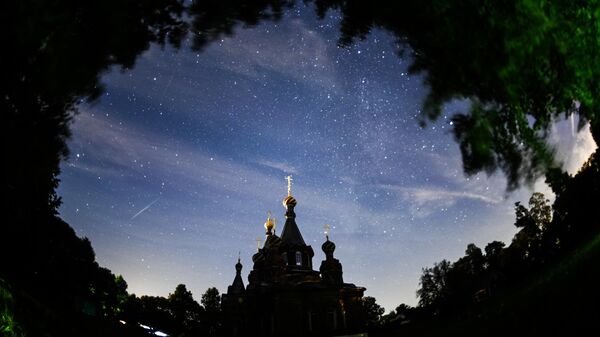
282 166
428 194
118 148
424 200
304 58
120 151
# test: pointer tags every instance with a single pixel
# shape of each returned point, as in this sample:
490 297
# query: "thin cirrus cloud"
423 201
427 194
118 148
281 166
250 53
115 146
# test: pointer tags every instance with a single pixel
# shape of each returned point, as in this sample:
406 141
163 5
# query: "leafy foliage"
433 283
372 310
211 300
8 326
178 314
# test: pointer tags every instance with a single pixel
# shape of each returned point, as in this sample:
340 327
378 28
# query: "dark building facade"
285 296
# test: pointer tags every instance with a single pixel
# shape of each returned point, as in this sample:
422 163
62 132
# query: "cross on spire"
327 228
258 241
289 184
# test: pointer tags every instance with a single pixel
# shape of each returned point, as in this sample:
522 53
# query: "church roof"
237 287
291 233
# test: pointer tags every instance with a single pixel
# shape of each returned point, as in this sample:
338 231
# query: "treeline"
53 286
176 315
52 282
544 282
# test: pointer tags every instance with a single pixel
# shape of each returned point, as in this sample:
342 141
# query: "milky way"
173 170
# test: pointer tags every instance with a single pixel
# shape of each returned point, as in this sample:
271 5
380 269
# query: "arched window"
298 258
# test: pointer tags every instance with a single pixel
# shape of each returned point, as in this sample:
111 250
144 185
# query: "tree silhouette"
211 300
433 284
533 222
109 292
187 313
372 310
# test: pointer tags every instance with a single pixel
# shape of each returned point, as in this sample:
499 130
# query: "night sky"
173 170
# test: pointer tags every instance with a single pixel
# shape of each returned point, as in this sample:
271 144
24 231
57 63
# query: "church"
285 296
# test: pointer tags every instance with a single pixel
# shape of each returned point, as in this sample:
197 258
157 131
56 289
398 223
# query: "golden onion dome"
270 223
289 201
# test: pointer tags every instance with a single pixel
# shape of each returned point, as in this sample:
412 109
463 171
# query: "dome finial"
328 247
238 265
258 242
269 224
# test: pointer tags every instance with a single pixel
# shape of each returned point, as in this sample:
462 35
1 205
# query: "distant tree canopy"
372 310
211 300
178 314
476 275
555 250
183 306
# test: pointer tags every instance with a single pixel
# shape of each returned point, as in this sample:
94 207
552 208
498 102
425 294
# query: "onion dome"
328 247
270 223
289 201
238 266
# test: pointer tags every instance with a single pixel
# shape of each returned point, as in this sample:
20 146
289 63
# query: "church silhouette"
285 296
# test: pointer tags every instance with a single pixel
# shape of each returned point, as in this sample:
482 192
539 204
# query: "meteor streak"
143 209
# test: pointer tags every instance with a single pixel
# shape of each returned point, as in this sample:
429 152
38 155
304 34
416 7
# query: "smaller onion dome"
328 247
238 266
270 223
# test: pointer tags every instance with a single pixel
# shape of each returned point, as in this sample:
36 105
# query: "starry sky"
173 170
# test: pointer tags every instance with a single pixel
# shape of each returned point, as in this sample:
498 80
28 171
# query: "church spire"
237 287
331 268
291 233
